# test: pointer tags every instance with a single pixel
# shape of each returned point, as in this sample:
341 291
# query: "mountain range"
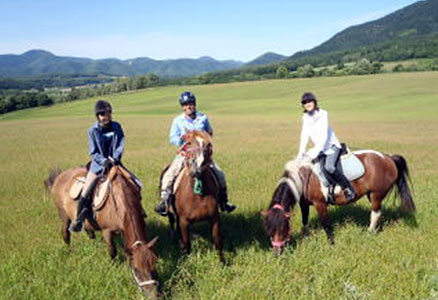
41 62
416 20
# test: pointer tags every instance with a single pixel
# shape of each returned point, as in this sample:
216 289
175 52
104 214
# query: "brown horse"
190 206
121 214
301 184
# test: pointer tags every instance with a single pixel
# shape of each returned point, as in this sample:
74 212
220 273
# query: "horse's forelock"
146 257
200 134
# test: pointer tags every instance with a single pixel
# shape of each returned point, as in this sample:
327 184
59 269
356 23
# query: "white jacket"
317 128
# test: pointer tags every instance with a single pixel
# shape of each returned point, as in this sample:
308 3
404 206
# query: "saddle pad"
101 194
76 188
352 168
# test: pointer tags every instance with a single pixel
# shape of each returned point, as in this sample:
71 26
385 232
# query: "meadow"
256 130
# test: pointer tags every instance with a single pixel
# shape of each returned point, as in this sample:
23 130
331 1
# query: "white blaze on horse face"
200 157
375 215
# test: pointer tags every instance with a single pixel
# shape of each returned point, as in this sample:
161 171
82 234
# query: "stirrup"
227 207
331 199
76 227
79 223
349 194
161 208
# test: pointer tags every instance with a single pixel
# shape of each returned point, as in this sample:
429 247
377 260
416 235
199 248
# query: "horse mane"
201 134
129 210
283 196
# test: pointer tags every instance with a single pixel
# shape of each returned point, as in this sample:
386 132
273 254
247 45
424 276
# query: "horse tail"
53 174
403 180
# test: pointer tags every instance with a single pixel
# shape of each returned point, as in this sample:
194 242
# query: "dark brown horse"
197 192
301 184
121 214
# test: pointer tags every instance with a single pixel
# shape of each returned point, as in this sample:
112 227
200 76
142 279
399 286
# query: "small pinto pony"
121 214
196 191
300 183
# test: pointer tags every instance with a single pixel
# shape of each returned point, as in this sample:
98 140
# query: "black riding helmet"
307 97
102 107
186 98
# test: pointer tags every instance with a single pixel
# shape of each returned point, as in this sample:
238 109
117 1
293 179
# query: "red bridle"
279 244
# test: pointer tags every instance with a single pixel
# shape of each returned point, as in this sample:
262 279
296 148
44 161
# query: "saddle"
177 182
348 164
101 190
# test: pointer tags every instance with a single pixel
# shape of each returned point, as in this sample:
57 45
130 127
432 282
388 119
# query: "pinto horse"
196 195
121 214
300 183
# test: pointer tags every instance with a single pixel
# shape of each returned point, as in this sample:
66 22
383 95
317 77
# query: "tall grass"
256 130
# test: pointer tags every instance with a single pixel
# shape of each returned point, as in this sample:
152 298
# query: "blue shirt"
182 124
104 142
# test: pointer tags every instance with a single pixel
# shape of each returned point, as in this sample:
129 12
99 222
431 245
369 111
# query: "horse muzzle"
278 246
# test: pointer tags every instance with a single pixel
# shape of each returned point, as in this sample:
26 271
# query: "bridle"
279 244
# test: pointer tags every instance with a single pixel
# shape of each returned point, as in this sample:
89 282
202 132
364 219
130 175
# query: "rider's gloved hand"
107 164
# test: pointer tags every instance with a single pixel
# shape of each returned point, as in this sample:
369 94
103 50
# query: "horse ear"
264 213
152 243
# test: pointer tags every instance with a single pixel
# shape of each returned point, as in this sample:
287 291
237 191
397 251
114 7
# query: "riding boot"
223 201
161 207
331 194
346 186
82 213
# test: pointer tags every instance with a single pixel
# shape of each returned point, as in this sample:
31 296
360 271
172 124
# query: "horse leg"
376 206
321 209
184 230
217 239
90 233
65 230
109 239
65 224
173 232
304 218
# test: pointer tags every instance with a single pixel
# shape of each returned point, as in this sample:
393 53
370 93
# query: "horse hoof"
372 230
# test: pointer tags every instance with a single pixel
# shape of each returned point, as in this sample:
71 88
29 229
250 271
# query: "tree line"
24 93
22 100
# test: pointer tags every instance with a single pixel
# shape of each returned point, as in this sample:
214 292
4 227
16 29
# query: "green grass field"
256 127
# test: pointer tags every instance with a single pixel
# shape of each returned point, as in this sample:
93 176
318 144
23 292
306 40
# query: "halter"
278 206
279 244
141 283
137 243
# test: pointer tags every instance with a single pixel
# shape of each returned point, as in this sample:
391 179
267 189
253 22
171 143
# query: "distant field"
420 62
256 128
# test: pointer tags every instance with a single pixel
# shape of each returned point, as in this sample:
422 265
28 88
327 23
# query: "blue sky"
240 30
